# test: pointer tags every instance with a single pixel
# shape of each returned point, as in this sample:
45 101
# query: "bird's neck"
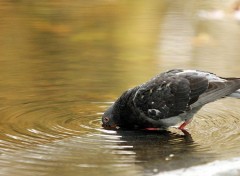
127 96
125 102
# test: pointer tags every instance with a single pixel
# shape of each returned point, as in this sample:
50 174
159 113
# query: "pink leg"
184 124
152 129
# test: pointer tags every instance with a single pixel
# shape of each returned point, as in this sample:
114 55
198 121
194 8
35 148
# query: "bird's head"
118 115
110 118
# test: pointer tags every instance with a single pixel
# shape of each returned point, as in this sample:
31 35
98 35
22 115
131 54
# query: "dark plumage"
168 99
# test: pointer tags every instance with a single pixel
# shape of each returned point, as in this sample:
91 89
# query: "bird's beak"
109 127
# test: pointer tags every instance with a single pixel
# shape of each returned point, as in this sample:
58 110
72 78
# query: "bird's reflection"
158 151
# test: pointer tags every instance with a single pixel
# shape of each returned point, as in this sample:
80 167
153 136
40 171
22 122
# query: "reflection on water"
64 63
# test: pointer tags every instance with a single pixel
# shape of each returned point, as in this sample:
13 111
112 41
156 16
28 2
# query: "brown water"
64 62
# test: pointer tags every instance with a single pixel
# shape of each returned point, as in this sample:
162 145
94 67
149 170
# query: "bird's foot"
185 132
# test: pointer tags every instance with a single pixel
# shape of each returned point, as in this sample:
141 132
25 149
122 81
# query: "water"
64 63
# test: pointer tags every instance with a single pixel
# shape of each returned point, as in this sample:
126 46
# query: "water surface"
64 63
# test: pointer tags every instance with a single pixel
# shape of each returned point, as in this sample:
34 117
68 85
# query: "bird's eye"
105 119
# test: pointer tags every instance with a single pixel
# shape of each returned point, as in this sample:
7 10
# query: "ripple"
38 123
41 137
217 127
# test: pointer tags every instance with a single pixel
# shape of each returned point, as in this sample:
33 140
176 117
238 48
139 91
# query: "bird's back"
177 94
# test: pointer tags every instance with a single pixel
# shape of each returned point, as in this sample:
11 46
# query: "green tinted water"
63 63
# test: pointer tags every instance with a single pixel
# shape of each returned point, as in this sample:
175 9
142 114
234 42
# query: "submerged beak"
108 123
109 127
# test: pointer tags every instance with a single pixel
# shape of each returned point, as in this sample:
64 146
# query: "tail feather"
231 78
217 90
235 94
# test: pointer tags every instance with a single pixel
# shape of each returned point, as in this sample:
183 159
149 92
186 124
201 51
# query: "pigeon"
168 99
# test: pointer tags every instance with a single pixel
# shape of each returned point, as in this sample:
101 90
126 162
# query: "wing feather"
217 90
169 95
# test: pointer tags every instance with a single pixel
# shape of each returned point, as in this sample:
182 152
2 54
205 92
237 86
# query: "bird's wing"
218 89
218 86
169 95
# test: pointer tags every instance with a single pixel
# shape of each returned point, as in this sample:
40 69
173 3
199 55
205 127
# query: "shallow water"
64 63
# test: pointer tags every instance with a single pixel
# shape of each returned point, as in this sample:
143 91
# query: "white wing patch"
155 112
